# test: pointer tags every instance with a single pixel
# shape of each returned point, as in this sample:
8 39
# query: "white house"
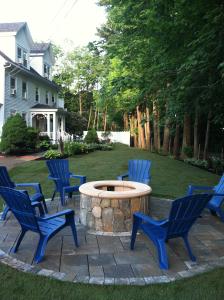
26 85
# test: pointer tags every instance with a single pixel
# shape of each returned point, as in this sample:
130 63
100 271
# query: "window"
46 97
24 90
12 86
46 71
24 116
37 94
25 59
52 98
22 56
12 112
19 53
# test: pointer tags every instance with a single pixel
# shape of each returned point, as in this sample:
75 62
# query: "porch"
49 121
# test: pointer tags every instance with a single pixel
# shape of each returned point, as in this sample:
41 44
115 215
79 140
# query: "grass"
170 178
16 285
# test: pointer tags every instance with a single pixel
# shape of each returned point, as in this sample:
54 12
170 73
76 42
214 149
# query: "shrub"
52 154
91 137
32 137
197 162
188 151
14 134
217 164
72 148
44 145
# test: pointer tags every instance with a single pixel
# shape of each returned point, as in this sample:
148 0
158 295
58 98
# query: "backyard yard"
170 179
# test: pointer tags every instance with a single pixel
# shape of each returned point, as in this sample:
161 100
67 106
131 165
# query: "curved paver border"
194 269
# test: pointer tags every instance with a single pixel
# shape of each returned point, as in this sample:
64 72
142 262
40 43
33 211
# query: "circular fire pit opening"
106 207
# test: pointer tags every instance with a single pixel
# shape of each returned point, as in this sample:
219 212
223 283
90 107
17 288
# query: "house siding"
17 103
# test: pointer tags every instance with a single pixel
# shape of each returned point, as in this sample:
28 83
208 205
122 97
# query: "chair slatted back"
20 204
5 179
139 169
59 168
218 189
184 212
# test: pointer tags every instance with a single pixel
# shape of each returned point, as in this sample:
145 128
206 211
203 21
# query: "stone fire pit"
106 207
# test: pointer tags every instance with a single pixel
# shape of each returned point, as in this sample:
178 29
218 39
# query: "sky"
59 21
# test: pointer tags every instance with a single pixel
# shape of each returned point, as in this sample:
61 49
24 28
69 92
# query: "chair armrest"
34 185
146 181
39 205
59 214
193 188
52 178
122 176
148 219
81 177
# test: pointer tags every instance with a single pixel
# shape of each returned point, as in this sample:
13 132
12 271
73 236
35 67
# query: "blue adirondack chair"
59 172
36 197
138 170
216 203
183 214
47 226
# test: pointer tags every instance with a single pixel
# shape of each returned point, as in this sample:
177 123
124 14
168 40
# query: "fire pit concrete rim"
137 189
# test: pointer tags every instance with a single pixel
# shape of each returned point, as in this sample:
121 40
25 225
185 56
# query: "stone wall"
110 215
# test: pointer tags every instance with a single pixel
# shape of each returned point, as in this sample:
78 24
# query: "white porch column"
48 125
54 127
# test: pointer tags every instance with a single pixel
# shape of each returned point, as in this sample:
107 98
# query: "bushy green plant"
52 154
188 151
91 137
106 147
14 135
44 145
217 164
197 162
72 148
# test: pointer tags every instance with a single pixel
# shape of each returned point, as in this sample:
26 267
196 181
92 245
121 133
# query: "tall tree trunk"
90 116
196 118
156 130
125 119
95 119
105 120
141 137
176 143
166 133
205 153
80 103
147 129
98 120
186 133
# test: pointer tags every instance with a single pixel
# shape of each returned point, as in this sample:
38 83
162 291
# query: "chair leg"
21 236
163 259
221 214
187 244
4 214
74 232
52 198
70 195
136 223
62 196
41 249
45 206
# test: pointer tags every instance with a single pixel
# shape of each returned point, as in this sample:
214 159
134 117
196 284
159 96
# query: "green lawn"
170 178
16 285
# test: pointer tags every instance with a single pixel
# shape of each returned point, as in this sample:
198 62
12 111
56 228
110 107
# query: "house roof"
39 47
11 27
42 106
28 72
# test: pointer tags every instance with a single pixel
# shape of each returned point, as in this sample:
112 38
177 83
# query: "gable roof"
11 27
32 73
39 47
